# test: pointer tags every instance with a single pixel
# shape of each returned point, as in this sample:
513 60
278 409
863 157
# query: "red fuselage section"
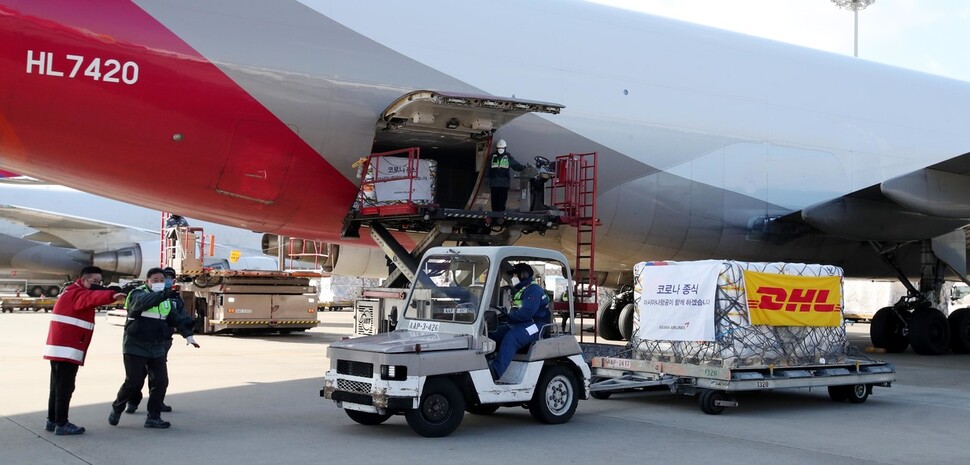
106 99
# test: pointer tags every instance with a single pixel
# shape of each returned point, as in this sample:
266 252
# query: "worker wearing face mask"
150 314
499 175
178 307
529 313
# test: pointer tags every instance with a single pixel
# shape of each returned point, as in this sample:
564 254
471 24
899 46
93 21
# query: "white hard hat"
501 144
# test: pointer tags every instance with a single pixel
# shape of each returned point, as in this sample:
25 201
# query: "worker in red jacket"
71 328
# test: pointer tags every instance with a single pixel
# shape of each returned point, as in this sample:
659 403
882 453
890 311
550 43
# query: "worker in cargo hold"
529 313
499 175
178 308
150 313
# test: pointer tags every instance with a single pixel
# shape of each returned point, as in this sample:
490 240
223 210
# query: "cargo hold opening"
453 129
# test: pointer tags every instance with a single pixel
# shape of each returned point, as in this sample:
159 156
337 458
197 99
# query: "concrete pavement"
255 400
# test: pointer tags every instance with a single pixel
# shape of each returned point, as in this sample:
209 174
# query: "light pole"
855 6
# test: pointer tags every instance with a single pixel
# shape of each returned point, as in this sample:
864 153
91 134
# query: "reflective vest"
500 161
158 312
72 323
517 298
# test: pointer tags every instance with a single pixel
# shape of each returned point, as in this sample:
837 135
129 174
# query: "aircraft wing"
926 204
74 232
922 204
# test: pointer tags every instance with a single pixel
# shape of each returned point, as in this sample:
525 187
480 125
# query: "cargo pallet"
850 381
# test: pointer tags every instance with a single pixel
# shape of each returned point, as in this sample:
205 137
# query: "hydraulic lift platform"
572 199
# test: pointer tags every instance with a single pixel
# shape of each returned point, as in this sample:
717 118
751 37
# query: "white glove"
191 340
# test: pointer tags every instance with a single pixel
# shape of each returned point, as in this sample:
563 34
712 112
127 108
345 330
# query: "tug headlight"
394 372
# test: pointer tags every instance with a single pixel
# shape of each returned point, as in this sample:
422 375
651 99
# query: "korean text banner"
393 185
785 300
677 301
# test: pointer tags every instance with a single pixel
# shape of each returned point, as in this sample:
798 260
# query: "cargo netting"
739 344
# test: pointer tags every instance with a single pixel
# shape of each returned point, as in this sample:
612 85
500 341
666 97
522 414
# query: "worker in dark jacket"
529 313
499 175
150 313
179 310
68 339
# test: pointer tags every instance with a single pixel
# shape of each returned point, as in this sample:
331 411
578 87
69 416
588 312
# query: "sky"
931 36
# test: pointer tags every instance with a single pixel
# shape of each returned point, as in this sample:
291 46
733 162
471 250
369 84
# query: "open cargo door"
454 130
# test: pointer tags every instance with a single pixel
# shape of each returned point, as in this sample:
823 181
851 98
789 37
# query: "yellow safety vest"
158 312
500 161
517 299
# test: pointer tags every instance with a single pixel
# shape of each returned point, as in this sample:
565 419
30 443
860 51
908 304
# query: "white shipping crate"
699 313
388 190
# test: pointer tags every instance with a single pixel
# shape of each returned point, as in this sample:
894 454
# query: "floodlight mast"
855 6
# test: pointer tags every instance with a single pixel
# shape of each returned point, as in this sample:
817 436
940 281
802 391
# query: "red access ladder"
574 194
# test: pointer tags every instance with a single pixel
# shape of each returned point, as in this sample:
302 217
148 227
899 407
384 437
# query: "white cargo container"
712 327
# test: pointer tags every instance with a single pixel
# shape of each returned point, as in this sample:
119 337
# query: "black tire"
929 333
482 409
959 322
555 397
887 331
625 321
708 401
53 291
440 411
857 393
601 395
201 307
36 291
607 323
839 393
367 418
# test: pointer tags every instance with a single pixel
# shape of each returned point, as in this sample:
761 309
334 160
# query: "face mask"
501 151
158 287
169 283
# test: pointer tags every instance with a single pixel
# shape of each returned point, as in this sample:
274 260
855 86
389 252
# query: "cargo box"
737 314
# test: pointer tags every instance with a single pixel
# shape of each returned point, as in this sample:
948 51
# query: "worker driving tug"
529 313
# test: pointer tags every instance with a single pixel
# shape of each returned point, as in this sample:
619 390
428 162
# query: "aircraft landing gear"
889 330
959 322
916 319
929 333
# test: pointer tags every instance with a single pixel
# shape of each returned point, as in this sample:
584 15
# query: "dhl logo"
784 300
800 300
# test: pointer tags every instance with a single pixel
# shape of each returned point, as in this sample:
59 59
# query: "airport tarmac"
245 400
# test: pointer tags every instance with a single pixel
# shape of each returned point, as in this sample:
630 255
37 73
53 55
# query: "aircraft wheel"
555 398
887 331
625 322
482 409
53 291
607 324
367 418
440 411
959 322
708 401
36 291
929 333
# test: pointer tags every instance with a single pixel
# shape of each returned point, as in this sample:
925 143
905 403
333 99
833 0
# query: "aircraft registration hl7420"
710 143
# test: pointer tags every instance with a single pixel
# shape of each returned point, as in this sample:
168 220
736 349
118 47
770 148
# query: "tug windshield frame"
449 289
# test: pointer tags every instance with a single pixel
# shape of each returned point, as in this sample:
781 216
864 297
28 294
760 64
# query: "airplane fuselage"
252 113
